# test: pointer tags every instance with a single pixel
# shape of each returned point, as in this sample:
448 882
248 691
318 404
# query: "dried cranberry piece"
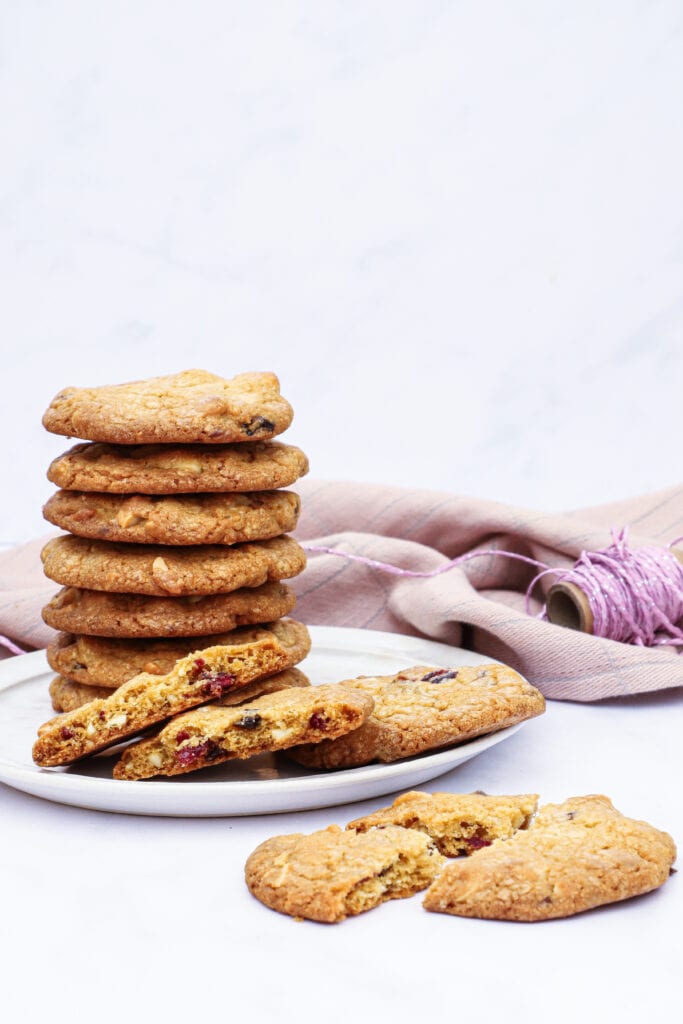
199 663
217 685
477 842
188 755
101 715
317 721
182 736
440 675
249 721
66 733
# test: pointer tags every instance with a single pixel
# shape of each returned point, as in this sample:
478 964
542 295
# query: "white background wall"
455 230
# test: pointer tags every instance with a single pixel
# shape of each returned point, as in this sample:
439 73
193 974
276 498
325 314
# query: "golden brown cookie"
179 519
206 674
576 855
178 469
331 874
98 613
214 734
67 695
188 407
424 708
170 572
109 662
457 822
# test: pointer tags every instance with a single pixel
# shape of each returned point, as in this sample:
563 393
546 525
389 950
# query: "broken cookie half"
332 874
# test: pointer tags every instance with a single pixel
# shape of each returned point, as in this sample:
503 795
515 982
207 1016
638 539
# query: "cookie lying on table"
67 695
147 699
331 874
576 855
456 822
191 406
424 708
109 662
214 734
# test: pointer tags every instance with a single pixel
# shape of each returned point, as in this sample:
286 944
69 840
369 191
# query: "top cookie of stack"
175 508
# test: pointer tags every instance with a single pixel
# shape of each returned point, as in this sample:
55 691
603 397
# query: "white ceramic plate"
263 785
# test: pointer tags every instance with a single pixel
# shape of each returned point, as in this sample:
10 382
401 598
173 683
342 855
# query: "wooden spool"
567 605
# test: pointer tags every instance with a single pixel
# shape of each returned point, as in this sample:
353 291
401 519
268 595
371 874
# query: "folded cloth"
478 605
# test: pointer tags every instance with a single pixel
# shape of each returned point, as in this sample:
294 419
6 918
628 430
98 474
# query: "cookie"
456 822
204 675
180 519
189 407
423 709
102 661
173 469
98 613
67 695
214 734
162 572
576 855
330 875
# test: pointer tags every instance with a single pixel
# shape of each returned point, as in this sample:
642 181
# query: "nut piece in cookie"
426 708
174 519
331 874
159 571
67 695
191 407
147 699
106 661
273 722
159 469
102 614
576 855
457 822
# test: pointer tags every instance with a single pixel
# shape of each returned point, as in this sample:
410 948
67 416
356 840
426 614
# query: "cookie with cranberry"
575 856
330 875
109 662
215 733
174 519
178 469
423 709
189 407
67 695
457 822
162 572
206 674
98 613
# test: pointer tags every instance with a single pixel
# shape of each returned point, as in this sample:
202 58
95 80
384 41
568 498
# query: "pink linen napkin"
479 605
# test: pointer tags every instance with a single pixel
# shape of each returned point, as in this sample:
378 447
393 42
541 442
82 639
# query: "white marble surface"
456 232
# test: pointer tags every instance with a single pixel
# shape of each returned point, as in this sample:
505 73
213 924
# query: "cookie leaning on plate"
67 695
457 822
214 734
331 874
190 407
159 571
174 519
98 613
146 699
109 662
423 709
575 856
178 469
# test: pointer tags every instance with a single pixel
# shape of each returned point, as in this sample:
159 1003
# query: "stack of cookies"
177 527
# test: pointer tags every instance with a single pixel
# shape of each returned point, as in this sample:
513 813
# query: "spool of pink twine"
634 596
